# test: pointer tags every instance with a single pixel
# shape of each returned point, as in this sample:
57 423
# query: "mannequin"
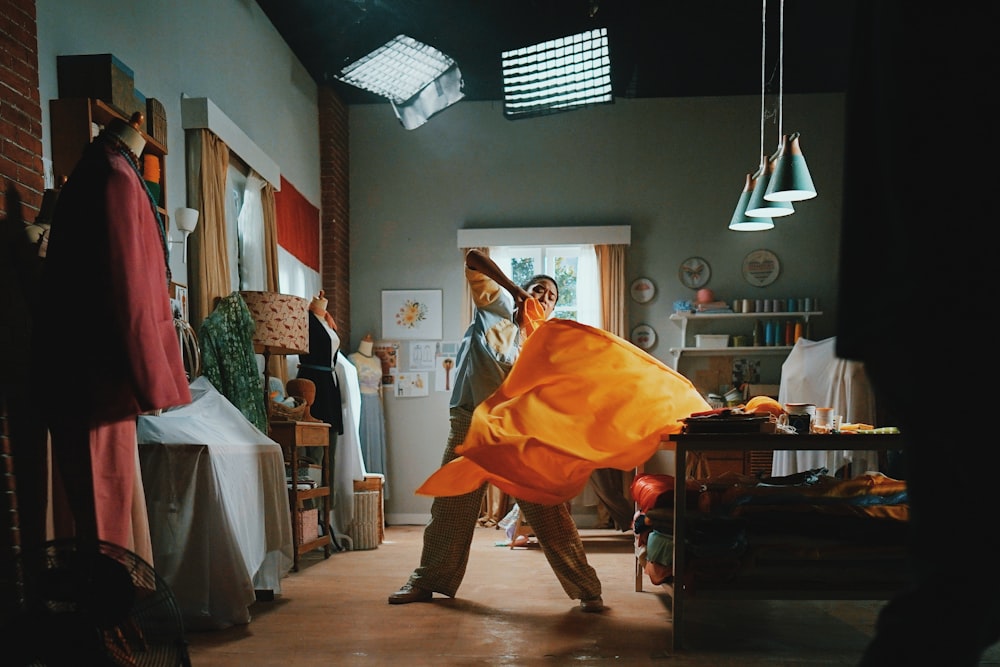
319 365
372 429
106 232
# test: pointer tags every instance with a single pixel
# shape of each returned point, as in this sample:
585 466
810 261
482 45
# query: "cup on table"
800 416
823 421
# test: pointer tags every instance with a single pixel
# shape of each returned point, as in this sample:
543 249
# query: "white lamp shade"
186 219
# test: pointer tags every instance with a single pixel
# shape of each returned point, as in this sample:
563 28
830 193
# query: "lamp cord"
781 70
763 52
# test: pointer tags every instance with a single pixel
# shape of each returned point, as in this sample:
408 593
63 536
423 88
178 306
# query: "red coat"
107 340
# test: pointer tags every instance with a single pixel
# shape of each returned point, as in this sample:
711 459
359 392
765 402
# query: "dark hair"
540 276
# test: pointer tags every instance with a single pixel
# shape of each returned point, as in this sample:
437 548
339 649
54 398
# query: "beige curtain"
611 264
278 366
207 254
208 158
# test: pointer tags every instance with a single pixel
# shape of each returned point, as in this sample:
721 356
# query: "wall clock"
643 290
643 336
761 267
694 272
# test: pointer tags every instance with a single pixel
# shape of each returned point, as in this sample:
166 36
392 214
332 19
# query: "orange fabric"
578 399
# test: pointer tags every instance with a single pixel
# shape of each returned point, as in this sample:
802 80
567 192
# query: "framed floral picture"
411 314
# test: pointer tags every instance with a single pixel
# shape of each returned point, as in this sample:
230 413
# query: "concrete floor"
512 611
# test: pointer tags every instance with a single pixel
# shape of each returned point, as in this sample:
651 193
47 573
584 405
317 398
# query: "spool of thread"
151 168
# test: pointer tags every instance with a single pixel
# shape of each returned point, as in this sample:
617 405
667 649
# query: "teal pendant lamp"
740 221
758 207
791 180
754 213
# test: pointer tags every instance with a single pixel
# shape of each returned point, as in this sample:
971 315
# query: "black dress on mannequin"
319 365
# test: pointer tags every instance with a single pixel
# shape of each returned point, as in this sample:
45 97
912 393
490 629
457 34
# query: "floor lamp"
281 327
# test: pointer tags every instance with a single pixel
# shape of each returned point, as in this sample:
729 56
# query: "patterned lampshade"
282 322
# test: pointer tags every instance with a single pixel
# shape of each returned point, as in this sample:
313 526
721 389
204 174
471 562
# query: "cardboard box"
98 76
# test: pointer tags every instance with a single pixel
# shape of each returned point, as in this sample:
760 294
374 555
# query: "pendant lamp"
752 204
740 221
790 180
758 207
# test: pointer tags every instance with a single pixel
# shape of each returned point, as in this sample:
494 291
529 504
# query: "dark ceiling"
659 48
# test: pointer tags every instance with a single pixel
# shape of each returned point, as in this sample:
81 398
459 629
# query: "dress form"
372 427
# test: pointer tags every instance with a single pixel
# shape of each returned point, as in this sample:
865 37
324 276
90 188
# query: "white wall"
673 169
225 50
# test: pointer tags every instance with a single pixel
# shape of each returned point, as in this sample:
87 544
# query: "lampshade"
758 207
282 322
791 180
186 218
740 222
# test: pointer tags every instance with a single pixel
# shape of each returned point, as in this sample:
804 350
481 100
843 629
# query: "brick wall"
335 241
20 111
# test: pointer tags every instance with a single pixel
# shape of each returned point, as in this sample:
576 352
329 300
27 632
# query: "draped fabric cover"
578 399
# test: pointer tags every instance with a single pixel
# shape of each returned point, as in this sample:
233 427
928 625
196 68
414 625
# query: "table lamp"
281 327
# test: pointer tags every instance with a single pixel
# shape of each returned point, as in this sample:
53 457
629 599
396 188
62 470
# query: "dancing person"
489 348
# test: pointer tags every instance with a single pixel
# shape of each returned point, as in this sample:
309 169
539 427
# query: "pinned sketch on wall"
444 375
422 356
411 314
388 353
411 384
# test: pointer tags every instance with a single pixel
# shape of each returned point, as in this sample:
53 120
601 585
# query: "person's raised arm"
478 261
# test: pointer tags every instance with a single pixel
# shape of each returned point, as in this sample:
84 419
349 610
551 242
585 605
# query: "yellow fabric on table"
578 398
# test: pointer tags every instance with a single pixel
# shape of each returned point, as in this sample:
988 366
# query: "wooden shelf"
292 435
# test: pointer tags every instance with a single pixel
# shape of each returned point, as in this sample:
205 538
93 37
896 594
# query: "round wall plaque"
643 336
761 267
643 290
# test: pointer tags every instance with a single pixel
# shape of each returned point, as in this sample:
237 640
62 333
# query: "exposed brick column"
335 241
20 110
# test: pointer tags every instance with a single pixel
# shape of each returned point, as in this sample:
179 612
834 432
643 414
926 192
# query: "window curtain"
207 252
611 487
209 268
611 266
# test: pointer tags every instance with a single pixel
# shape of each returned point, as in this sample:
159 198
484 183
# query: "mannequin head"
128 133
366 345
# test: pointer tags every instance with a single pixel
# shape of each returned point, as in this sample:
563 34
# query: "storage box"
98 76
364 528
308 525
711 341
156 120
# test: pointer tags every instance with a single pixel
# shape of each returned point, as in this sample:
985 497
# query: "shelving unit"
684 319
292 435
75 122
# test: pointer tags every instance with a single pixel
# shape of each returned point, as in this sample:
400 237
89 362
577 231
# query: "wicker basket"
282 412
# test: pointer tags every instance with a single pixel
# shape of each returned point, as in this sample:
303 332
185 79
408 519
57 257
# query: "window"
245 227
573 266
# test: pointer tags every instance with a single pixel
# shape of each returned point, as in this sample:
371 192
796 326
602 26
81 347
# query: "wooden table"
707 442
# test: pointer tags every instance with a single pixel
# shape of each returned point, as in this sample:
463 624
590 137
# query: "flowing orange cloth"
577 399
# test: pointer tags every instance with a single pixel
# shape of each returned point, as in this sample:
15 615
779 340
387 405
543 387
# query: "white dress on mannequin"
813 373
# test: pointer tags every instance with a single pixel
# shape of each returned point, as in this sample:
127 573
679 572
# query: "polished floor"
512 611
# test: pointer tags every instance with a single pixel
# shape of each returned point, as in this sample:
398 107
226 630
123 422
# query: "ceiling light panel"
558 75
397 70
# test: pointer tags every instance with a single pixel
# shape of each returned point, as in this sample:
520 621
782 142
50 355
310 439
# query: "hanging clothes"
108 236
